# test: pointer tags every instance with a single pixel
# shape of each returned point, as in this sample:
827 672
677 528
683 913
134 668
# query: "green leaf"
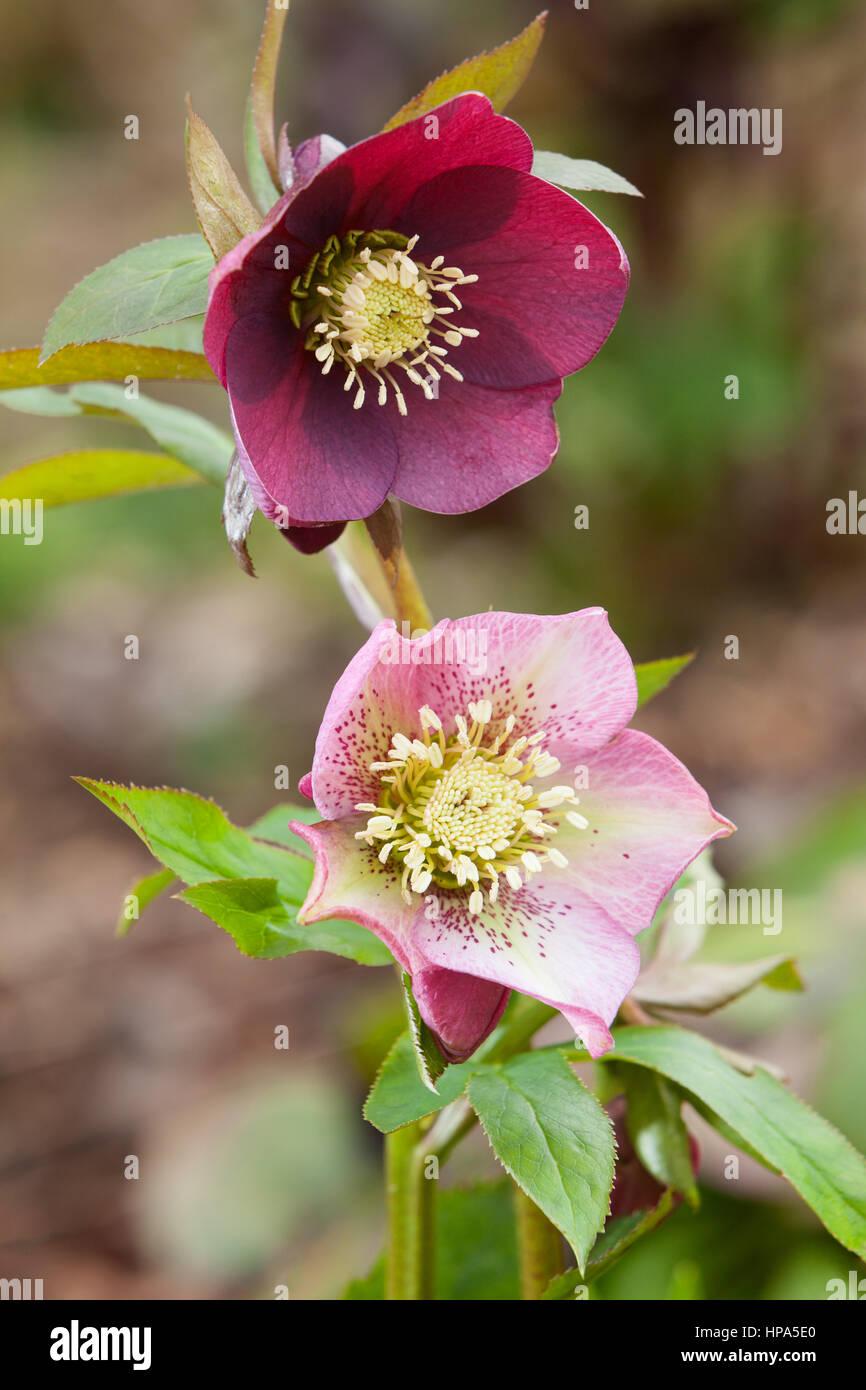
254 915
653 676
399 1096
101 361
145 890
194 839
151 284
616 1238
475 1250
225 213
657 1131
499 75
550 1133
90 473
702 987
261 99
274 825
815 1158
183 434
265 191
428 1059
579 174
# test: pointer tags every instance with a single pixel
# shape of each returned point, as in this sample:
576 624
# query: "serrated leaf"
144 890
183 434
149 285
702 987
815 1158
274 825
101 361
579 174
261 99
86 474
550 1133
499 75
657 1132
399 1097
194 838
653 676
616 1238
254 915
225 213
428 1059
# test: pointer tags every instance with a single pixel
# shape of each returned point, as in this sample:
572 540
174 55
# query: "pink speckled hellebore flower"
402 320
489 816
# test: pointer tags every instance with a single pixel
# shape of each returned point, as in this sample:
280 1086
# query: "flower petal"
460 1010
548 940
372 700
648 818
569 675
551 277
388 169
309 540
350 883
300 441
470 445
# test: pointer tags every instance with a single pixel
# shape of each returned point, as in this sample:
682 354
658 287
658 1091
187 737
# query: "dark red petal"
310 452
364 187
461 1010
537 313
388 169
469 446
309 540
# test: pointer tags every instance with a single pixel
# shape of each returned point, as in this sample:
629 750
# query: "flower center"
462 813
367 304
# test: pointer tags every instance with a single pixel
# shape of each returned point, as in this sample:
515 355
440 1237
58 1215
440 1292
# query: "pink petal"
349 883
460 1009
302 446
648 818
372 699
549 941
470 445
569 675
540 311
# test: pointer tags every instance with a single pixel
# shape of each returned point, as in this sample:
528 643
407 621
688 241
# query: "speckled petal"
648 819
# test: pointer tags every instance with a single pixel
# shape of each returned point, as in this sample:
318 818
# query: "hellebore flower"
447 771
403 318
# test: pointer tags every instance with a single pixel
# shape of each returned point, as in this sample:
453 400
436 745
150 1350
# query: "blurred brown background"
707 519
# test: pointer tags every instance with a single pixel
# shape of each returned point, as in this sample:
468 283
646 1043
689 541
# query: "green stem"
410 1196
539 1245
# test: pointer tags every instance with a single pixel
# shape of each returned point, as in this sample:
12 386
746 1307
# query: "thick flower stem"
539 1245
386 532
409 1260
